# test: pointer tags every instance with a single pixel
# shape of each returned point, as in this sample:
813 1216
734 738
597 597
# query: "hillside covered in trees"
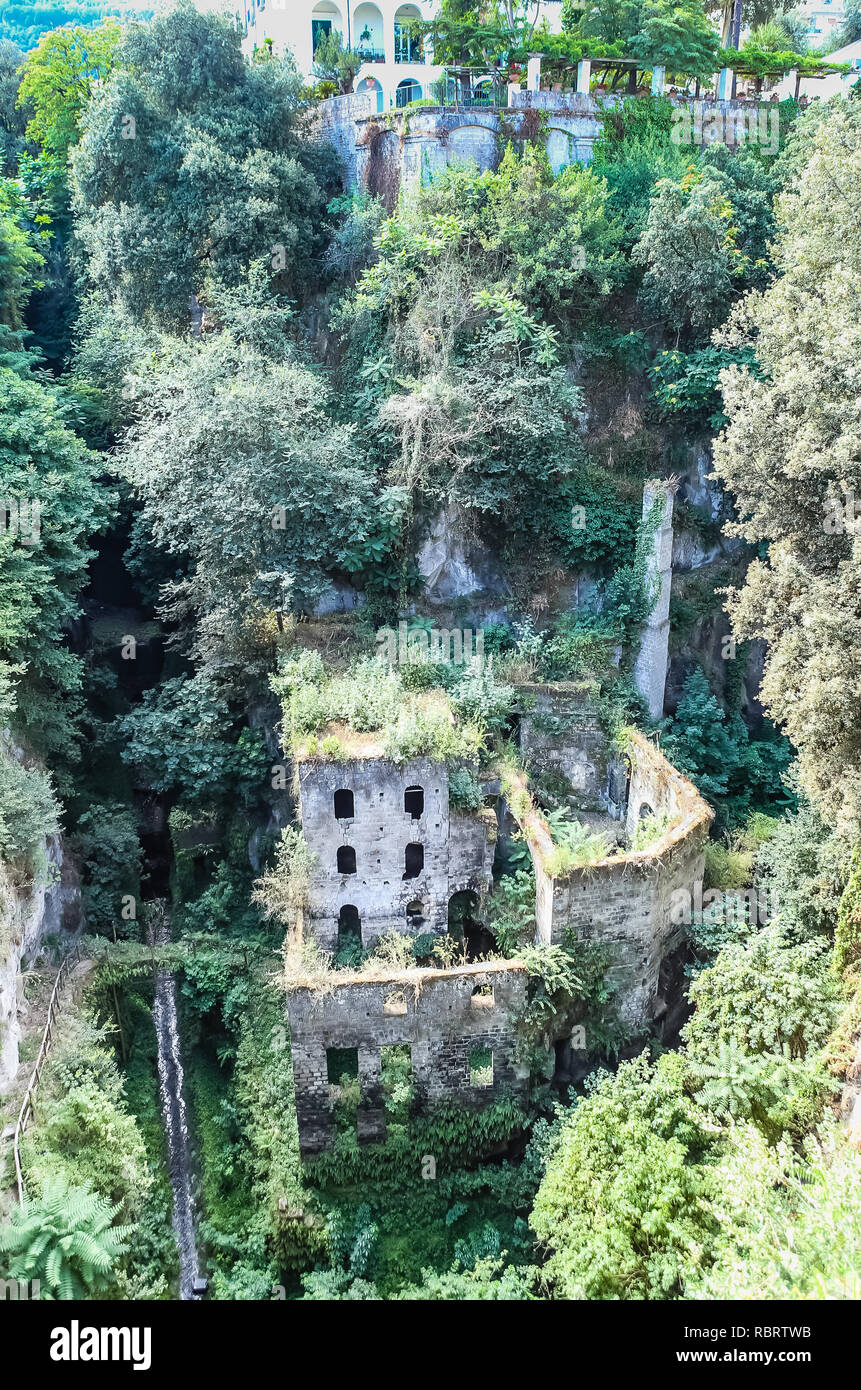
254 424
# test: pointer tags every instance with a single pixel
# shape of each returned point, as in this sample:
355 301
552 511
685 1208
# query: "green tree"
243 472
184 112
624 1204
43 566
58 80
335 63
790 458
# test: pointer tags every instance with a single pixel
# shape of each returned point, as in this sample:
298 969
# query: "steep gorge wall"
28 913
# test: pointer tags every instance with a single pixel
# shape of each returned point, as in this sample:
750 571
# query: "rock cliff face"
28 914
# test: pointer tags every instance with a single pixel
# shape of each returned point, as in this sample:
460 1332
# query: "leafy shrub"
464 790
107 842
28 812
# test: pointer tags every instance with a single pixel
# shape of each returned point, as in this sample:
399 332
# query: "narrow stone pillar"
650 672
584 76
725 77
658 76
513 91
533 72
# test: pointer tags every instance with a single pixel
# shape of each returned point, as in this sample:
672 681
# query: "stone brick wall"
458 849
435 1013
562 735
422 141
625 900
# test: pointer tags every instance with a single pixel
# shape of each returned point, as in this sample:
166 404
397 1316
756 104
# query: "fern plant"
65 1240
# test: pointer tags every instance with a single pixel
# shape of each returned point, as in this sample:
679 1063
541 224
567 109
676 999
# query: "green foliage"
28 812
799 594
464 790
787 1024
733 771
25 23
374 697
847 938
687 384
623 1207
335 63
574 845
65 1239
107 844
263 432
180 735
59 78
511 911
789 1223
20 255
44 567
221 135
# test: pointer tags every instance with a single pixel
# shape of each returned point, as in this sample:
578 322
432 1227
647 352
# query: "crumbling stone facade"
625 900
560 735
387 846
451 1020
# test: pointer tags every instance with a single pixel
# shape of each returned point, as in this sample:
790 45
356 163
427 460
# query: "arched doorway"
407 91
349 929
414 860
326 19
346 859
369 86
368 33
408 43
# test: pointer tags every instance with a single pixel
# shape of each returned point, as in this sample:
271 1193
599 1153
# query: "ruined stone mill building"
391 853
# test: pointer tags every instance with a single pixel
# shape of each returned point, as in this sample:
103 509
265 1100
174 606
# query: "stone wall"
383 151
28 913
561 734
624 901
458 849
437 1014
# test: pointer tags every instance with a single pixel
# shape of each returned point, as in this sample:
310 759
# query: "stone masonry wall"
650 671
458 850
436 1013
416 143
625 900
561 734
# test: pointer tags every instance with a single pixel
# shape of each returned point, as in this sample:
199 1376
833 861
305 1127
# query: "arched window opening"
406 92
349 927
346 859
414 802
344 804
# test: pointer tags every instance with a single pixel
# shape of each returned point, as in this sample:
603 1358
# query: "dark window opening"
341 1062
344 806
414 860
346 859
645 810
415 915
320 30
349 928
414 802
465 927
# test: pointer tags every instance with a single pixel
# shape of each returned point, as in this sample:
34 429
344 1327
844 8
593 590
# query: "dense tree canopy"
183 111
790 456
